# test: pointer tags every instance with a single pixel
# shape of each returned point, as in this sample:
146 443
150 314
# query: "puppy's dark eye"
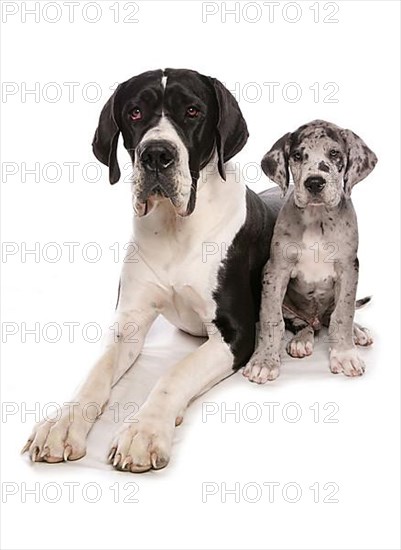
296 155
192 112
334 153
136 114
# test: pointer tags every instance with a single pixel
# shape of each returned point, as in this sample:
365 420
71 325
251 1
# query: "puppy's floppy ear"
360 160
232 132
275 163
105 142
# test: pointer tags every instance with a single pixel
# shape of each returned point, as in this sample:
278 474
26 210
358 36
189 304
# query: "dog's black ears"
275 162
360 160
105 142
232 132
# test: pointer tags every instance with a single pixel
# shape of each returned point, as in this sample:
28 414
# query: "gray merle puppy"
311 277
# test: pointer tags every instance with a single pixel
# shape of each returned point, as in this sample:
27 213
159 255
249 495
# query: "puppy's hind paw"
301 344
362 336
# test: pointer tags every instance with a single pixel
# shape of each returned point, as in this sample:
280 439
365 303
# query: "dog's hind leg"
362 336
301 344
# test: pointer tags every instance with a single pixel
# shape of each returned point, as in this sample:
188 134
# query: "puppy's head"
325 161
172 122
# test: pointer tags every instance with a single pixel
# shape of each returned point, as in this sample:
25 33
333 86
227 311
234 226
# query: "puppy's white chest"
315 258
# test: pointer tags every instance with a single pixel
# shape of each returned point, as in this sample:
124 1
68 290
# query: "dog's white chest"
315 258
183 256
190 287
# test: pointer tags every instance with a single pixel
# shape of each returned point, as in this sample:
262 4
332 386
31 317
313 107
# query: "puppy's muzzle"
157 156
315 184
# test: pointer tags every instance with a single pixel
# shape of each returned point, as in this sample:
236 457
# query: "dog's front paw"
347 362
262 368
58 440
143 444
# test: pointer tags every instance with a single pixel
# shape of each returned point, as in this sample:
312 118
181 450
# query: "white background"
360 452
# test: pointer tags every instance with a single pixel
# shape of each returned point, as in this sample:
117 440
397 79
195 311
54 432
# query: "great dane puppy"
312 274
202 239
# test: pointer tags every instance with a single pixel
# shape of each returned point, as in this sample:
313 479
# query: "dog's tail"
362 302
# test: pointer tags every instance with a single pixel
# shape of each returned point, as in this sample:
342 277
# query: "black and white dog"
180 128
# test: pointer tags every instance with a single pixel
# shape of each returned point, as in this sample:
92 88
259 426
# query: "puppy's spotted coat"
312 274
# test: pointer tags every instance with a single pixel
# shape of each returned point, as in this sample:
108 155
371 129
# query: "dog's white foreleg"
64 437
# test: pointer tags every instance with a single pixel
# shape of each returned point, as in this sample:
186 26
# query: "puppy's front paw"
347 362
262 368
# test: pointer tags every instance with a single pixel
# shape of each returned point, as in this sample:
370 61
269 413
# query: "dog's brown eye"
296 155
334 153
136 114
192 112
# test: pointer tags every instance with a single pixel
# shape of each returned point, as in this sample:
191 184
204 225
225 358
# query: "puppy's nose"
315 184
157 156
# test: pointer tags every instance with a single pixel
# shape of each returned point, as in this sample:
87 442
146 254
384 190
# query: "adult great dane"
180 128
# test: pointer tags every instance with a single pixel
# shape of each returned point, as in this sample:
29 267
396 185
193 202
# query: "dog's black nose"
315 184
157 156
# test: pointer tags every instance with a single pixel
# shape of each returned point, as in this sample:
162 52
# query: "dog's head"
325 161
172 122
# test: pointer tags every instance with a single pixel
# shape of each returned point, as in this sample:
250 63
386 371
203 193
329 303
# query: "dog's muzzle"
157 156
315 184
158 159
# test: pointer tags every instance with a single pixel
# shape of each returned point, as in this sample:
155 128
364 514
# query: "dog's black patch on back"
238 292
